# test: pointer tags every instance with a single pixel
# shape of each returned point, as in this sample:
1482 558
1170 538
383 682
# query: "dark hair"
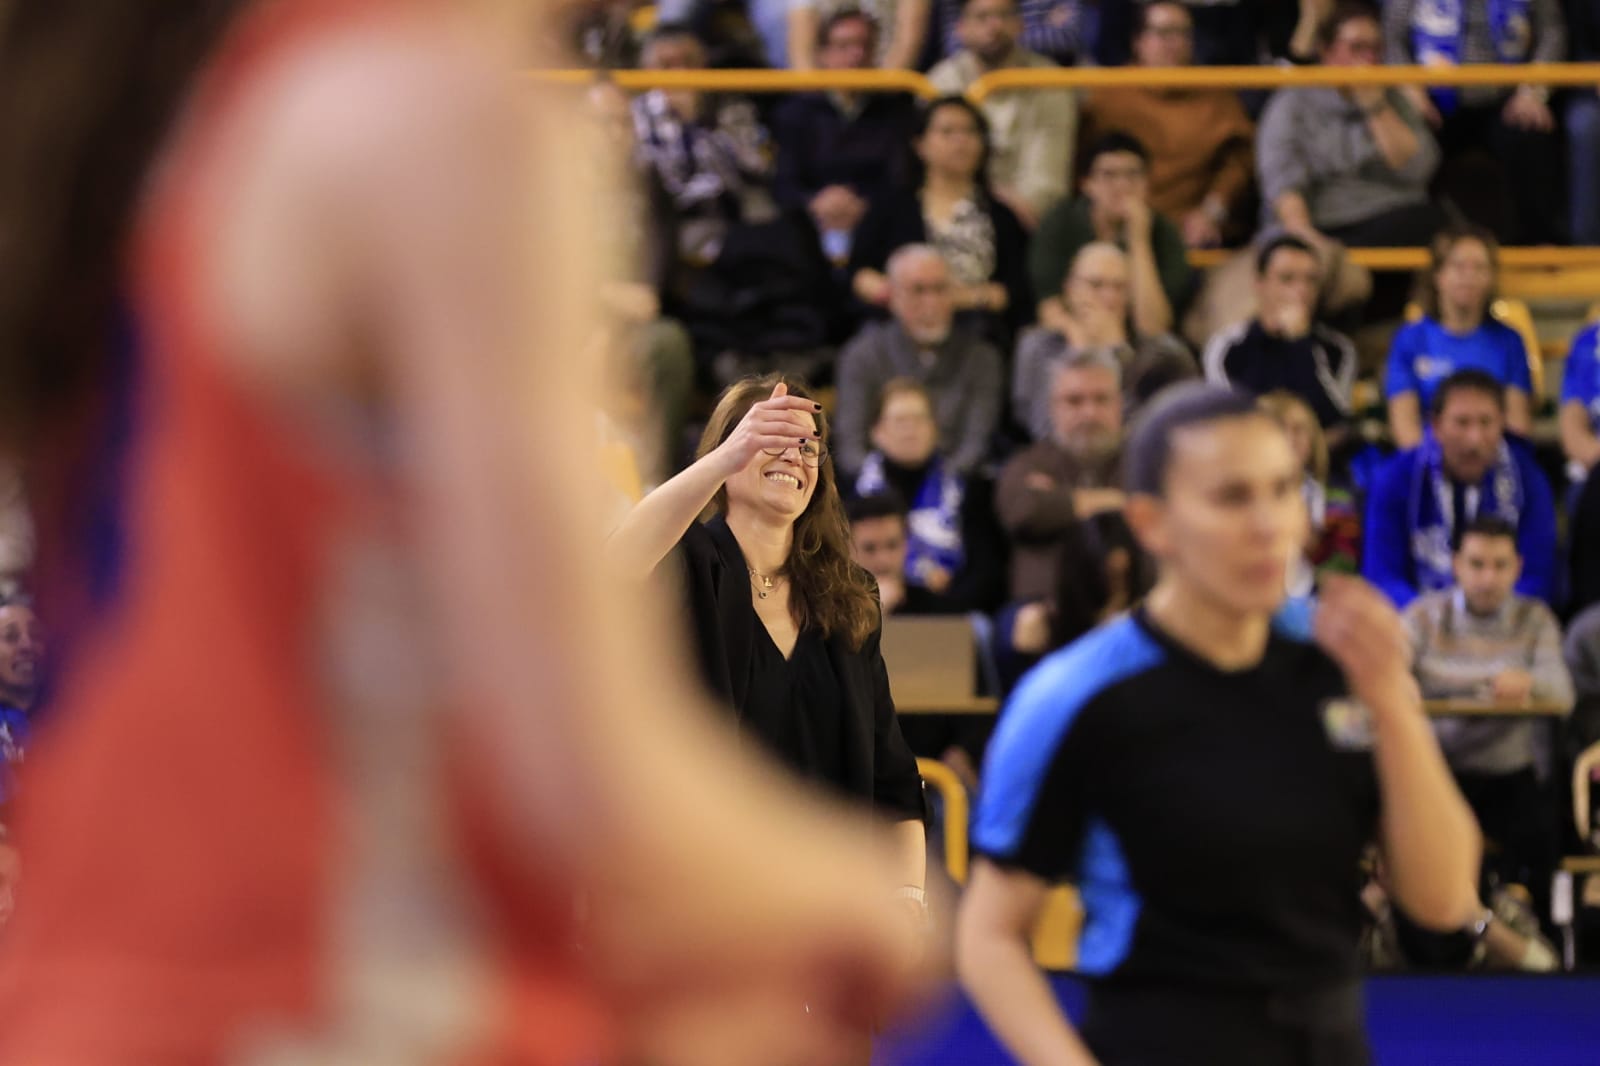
844 14
886 504
1427 288
88 93
918 170
1469 380
1179 407
1278 244
1143 18
1486 525
669 31
829 592
1115 141
1083 585
1345 11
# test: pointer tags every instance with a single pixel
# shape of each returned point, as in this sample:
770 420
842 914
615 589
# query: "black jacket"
879 767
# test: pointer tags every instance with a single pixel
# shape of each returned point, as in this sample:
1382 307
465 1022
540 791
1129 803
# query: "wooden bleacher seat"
933 665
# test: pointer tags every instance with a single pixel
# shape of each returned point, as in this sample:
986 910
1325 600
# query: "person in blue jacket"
1455 332
1466 467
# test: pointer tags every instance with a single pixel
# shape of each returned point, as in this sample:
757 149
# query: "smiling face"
779 486
21 648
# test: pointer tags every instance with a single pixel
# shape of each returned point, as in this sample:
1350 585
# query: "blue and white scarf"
1432 517
933 518
1438 32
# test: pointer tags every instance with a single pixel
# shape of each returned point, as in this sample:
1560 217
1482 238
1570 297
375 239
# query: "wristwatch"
1540 93
1376 109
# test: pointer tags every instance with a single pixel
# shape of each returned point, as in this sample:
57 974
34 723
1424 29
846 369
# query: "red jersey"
242 839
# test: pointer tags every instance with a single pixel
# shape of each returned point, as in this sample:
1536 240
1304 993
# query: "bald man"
962 373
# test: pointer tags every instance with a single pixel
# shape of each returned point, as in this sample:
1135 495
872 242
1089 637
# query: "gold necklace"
765 587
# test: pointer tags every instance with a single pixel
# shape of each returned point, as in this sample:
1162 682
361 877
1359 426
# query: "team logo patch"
1348 724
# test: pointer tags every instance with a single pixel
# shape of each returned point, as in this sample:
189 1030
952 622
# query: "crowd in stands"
988 293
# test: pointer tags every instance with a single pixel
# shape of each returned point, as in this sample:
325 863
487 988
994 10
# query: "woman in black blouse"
787 627
948 205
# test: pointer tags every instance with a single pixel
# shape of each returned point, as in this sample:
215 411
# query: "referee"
1208 771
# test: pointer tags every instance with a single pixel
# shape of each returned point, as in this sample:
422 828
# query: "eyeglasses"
1169 31
811 455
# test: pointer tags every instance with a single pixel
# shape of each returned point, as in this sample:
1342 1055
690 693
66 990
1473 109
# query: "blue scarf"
933 518
1431 515
1438 28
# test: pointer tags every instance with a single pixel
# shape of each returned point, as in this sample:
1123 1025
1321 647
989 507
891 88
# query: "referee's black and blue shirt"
1212 820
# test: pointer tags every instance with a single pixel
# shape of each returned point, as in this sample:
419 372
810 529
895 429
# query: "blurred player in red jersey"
349 711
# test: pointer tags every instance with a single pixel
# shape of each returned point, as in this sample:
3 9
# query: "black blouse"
794 706
827 712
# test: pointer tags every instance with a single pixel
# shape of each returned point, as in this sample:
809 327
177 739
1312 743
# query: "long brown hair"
88 91
828 591
1427 289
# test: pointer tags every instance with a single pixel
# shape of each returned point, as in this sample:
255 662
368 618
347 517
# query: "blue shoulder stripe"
1293 619
1037 719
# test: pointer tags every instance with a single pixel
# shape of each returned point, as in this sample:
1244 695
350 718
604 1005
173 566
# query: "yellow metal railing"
1274 77
1263 77
752 81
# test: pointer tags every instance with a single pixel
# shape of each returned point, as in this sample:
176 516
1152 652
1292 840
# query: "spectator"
710 153
1068 474
878 546
1481 641
1580 404
1226 32
1284 347
1093 315
1033 130
1333 536
1582 119
948 205
1353 164
1422 498
953 549
963 374
1501 156
1115 207
1062 31
836 149
900 29
1456 332
749 283
1200 141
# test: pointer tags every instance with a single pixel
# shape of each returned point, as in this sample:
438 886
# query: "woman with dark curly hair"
787 627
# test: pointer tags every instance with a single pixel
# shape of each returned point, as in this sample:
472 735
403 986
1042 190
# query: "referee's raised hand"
1361 631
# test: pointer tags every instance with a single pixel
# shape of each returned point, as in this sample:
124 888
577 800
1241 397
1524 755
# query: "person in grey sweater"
962 373
1481 641
1352 164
